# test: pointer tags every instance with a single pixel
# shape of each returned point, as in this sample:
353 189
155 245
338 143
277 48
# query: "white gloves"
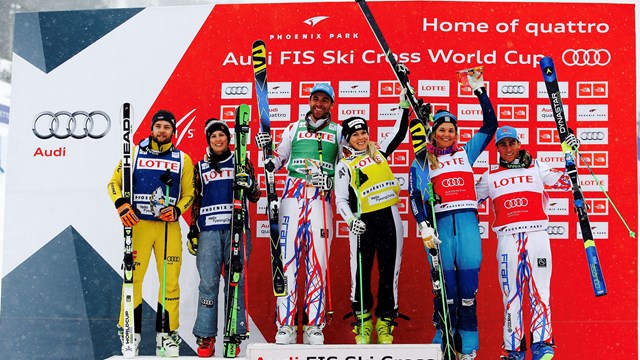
474 76
428 235
263 139
322 181
357 226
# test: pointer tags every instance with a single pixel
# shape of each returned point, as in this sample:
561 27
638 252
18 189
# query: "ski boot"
467 356
205 346
136 341
363 336
312 335
286 335
168 344
384 330
512 355
541 351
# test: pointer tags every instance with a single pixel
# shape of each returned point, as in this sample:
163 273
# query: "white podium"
261 351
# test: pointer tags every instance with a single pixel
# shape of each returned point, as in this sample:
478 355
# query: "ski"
232 339
419 140
259 56
128 346
419 143
420 109
555 97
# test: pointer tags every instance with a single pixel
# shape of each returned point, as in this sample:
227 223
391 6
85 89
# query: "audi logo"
592 135
453 182
516 203
556 230
77 125
588 57
236 90
512 89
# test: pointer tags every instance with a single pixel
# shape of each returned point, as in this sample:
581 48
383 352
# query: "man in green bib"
309 150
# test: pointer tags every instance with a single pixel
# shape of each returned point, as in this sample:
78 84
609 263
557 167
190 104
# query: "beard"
160 142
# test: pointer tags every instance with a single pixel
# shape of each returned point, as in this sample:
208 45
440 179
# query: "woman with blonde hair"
450 171
366 198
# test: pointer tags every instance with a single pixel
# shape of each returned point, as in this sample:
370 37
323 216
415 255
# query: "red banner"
593 46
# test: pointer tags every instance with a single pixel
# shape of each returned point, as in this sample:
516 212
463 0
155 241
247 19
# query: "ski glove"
243 180
572 142
428 235
357 226
263 139
404 100
192 240
322 181
474 75
169 213
126 212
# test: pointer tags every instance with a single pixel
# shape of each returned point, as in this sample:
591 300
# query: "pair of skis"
419 136
555 98
232 338
259 57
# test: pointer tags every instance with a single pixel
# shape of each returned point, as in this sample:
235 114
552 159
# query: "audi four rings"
512 89
516 203
588 57
236 90
453 182
556 230
70 123
592 135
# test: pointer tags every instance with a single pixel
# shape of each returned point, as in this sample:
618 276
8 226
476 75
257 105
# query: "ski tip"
126 111
257 42
548 68
546 61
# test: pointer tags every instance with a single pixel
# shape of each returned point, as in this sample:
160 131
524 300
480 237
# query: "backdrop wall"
195 61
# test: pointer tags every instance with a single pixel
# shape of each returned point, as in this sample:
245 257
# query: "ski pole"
168 181
631 233
246 285
360 257
326 233
448 352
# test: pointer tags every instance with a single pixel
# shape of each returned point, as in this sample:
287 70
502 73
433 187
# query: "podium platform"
330 352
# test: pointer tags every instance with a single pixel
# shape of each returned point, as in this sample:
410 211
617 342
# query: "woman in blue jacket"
450 170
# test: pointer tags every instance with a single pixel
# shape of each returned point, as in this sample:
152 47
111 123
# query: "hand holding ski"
553 90
419 142
264 142
232 339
